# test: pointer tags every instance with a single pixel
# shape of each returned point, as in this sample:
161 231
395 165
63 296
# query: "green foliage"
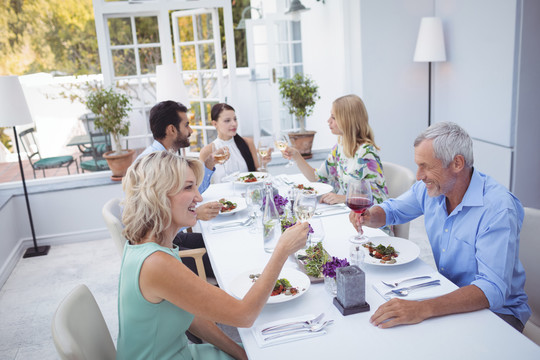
48 35
5 139
300 93
111 109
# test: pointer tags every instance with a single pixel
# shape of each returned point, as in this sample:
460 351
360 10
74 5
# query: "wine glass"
254 200
304 207
282 141
263 149
221 154
359 198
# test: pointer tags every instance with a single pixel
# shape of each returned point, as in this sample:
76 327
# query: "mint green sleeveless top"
152 331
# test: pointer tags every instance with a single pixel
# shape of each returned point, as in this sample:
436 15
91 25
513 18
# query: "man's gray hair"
449 140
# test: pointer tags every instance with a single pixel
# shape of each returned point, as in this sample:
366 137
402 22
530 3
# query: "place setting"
414 287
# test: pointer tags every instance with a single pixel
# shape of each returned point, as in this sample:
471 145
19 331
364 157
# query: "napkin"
417 294
259 337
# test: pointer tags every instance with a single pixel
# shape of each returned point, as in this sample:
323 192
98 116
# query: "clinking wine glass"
304 207
359 198
263 149
221 154
282 141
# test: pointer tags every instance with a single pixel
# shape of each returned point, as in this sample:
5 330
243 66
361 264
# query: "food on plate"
305 187
227 205
386 254
283 286
314 259
249 178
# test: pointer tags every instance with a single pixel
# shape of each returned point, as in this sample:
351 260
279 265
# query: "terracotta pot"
119 163
303 141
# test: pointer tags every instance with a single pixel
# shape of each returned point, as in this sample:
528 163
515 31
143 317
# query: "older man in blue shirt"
473 226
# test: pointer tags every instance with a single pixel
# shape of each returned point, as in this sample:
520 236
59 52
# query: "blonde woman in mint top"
159 298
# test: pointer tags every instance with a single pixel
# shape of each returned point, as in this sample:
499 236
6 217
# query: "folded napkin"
417 294
259 337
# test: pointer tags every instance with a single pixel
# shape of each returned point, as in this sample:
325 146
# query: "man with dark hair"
171 131
473 225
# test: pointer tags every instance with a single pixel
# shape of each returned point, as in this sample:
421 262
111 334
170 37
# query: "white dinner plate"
320 188
406 249
241 284
240 205
261 176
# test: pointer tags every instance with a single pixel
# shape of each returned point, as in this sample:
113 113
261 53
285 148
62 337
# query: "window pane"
282 31
188 57
283 54
192 85
295 31
120 31
195 118
185 28
297 52
149 58
196 140
147 30
207 56
204 27
298 69
124 62
208 108
210 85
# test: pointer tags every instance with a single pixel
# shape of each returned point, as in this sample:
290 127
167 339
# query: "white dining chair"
398 180
79 330
529 248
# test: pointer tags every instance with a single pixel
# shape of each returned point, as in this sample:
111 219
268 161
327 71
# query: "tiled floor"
37 285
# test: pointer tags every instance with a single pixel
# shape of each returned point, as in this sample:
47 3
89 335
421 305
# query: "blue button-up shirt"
157 146
478 243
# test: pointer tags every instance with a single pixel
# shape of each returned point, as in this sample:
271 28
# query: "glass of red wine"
359 198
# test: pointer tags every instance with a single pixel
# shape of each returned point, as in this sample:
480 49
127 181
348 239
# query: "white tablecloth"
477 335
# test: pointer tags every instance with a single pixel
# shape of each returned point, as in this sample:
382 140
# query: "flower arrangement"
280 203
287 223
329 268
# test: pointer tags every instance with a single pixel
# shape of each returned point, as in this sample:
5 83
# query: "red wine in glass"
359 204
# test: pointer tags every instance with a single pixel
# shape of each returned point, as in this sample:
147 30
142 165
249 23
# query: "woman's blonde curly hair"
148 184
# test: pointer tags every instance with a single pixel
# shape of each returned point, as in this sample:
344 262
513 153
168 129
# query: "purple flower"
280 203
329 268
285 224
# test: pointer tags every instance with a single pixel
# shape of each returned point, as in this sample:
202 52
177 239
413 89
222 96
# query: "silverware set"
234 224
281 330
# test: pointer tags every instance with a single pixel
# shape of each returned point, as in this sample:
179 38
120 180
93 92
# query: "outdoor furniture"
79 330
34 157
528 254
100 143
398 180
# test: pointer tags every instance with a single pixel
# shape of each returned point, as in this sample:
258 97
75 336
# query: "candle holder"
351 290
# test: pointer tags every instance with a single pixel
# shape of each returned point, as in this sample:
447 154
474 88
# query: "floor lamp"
430 48
14 111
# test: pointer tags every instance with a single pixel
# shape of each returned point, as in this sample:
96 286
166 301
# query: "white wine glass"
221 154
263 149
282 141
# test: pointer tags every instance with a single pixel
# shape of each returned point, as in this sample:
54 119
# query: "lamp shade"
296 6
430 42
13 107
170 84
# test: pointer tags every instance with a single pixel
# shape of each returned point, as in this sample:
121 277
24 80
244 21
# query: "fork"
233 224
397 282
295 324
312 328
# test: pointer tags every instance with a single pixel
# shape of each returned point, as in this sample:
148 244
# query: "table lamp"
170 84
14 111
430 48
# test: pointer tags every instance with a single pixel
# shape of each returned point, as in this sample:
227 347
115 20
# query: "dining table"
235 251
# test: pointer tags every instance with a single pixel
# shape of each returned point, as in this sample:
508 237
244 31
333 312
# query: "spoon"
405 291
296 324
312 328
245 222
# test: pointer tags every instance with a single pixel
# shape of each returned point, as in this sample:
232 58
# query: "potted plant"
111 109
300 93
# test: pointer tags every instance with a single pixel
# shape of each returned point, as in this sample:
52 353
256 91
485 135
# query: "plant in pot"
300 93
111 109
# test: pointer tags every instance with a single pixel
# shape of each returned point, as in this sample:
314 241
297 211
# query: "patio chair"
100 143
30 146
529 248
79 330
398 180
112 214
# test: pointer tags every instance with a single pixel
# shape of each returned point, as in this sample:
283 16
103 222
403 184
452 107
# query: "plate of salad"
316 187
389 251
251 177
232 205
311 260
290 285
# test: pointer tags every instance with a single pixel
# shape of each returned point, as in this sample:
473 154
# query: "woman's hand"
265 160
294 238
332 198
208 211
290 153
